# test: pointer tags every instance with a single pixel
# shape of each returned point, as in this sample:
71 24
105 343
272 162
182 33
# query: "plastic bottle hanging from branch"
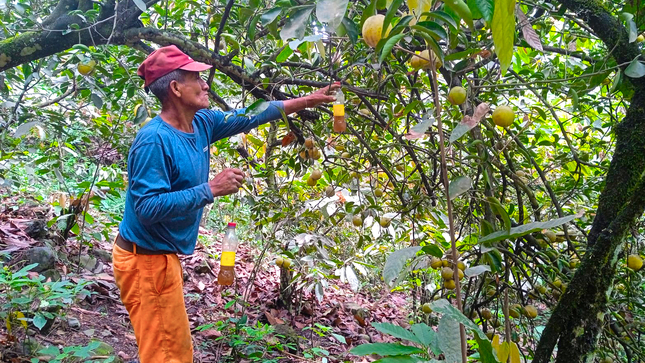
227 263
340 125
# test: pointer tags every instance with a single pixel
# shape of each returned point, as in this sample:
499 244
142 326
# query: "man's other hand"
227 182
322 95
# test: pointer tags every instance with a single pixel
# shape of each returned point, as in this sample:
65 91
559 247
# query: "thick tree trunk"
578 318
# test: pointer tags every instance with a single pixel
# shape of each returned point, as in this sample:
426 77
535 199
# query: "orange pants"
152 291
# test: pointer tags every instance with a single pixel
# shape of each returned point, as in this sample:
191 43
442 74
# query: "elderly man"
168 169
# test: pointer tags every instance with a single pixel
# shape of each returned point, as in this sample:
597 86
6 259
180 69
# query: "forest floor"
310 327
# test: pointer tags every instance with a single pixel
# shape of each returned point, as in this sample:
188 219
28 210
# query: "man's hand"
322 95
312 100
227 182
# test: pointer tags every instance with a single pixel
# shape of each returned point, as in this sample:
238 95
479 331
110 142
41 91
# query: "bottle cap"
232 224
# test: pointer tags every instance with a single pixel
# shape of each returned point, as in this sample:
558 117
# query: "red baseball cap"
165 60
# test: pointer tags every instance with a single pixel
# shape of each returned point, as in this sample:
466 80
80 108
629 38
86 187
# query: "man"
168 188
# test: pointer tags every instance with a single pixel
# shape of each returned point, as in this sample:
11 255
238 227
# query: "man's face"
194 91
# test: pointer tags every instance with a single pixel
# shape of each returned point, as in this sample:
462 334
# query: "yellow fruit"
315 153
640 38
515 310
309 143
461 274
541 289
355 175
372 29
357 220
550 235
426 308
457 95
286 263
635 262
378 192
304 154
311 181
329 191
339 147
435 263
422 61
385 222
400 167
449 284
486 314
608 359
447 273
365 112
461 265
316 174
445 263
279 261
530 311
503 116
345 155
86 68
574 262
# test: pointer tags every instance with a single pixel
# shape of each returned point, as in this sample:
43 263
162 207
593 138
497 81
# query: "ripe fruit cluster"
310 151
447 273
283 262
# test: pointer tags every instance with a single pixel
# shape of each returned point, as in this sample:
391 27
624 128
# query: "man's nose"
205 86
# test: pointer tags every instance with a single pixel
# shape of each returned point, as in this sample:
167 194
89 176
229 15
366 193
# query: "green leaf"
396 331
444 17
485 7
284 55
391 12
401 25
574 98
269 16
351 29
635 69
385 349
51 351
395 262
503 26
331 12
526 229
476 270
486 354
461 8
500 211
256 108
432 250
39 321
296 24
459 186
444 307
97 100
253 27
387 48
432 28
339 337
449 339
140 4
426 335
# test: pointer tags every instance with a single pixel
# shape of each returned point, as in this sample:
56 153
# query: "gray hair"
160 86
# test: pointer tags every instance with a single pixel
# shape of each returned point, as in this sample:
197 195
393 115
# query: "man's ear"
175 88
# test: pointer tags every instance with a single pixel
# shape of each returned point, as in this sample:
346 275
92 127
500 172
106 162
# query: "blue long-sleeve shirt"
168 177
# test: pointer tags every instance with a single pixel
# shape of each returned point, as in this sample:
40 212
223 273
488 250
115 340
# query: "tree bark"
578 318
